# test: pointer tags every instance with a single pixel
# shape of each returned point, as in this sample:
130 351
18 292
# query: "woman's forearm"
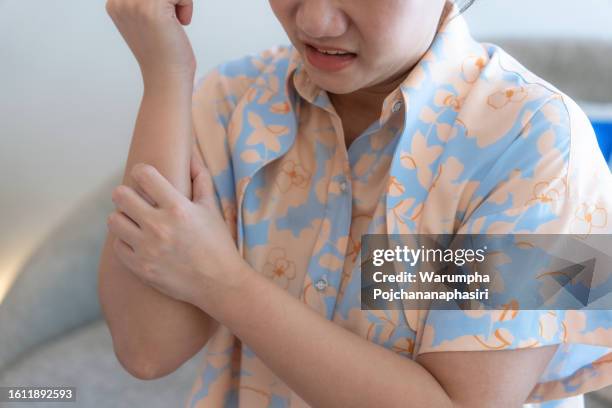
327 365
163 133
154 334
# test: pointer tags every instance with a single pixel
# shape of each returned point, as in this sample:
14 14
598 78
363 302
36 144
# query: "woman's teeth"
332 52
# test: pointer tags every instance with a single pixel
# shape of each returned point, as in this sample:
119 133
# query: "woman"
386 119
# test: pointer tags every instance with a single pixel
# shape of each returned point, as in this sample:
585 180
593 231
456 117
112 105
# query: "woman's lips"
328 62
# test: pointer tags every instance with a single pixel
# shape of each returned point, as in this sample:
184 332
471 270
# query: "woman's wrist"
179 85
219 295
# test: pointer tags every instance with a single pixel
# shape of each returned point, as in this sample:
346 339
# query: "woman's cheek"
285 11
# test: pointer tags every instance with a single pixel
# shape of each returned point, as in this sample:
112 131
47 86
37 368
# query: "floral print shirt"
470 142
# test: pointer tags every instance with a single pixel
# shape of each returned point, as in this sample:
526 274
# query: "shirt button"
321 284
397 106
343 186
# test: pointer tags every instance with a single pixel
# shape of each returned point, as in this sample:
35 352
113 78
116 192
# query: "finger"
124 228
155 185
131 204
144 195
184 13
183 10
125 253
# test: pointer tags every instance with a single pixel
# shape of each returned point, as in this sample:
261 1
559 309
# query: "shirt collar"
452 43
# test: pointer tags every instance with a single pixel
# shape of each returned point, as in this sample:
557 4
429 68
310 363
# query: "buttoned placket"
336 211
345 179
340 209
321 284
397 106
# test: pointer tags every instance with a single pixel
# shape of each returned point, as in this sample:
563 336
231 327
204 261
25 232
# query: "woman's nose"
321 18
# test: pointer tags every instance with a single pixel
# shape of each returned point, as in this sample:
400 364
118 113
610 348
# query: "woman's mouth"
329 59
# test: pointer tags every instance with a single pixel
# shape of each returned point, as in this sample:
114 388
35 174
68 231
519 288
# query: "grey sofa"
51 330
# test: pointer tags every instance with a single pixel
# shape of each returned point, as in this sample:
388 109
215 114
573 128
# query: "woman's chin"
334 84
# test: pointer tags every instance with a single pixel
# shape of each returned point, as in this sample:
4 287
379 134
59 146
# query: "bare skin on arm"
153 334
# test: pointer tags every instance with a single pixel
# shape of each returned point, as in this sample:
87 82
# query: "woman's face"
384 38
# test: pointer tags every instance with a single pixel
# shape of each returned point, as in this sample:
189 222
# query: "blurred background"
69 94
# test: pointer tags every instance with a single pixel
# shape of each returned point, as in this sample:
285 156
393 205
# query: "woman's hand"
152 29
182 248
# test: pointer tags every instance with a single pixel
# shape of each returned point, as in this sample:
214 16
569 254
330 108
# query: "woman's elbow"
141 367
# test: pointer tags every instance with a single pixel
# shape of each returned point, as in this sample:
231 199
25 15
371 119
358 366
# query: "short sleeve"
211 109
552 179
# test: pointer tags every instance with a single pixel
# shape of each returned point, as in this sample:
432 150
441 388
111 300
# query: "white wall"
69 91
